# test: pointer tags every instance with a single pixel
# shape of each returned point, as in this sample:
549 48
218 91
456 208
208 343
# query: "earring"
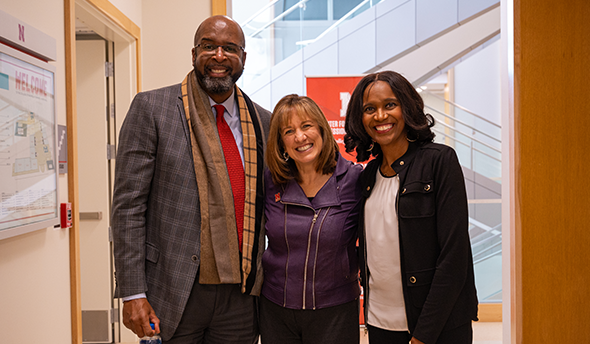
414 140
285 156
371 146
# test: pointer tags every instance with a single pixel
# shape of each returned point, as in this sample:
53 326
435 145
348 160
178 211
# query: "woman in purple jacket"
312 201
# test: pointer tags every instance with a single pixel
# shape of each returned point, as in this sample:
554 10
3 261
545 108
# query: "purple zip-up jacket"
311 260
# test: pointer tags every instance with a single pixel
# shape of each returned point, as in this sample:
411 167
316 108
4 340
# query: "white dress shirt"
232 117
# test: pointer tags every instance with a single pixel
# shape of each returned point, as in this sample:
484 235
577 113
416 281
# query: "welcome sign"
28 161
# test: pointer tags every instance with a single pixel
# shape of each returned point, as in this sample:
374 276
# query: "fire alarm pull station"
66 215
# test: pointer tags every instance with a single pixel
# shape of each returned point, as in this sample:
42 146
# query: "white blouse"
386 305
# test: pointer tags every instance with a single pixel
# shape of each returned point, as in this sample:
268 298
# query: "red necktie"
235 169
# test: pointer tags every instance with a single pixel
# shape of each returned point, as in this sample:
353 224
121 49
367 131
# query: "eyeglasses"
228 48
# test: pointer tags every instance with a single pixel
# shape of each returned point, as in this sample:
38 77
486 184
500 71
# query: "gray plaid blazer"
155 214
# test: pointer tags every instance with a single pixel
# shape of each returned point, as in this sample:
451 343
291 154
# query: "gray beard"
216 85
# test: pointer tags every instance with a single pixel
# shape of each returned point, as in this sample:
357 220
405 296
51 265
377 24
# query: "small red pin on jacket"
277 196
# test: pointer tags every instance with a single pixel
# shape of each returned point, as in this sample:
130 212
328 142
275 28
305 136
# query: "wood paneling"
552 209
115 15
490 312
218 7
72 124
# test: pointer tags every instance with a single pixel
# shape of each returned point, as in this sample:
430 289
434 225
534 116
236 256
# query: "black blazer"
436 261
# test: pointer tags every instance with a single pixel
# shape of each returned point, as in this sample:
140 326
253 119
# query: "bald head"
219 56
220 22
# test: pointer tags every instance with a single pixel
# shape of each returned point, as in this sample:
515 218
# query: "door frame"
94 95
121 29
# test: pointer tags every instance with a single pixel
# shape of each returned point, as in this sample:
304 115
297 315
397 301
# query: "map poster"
28 176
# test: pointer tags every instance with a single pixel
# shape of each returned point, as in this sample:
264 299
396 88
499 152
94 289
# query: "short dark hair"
418 124
282 171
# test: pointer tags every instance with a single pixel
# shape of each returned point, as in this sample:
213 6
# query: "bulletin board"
28 149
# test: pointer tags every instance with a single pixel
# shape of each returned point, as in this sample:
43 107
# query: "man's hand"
415 341
137 315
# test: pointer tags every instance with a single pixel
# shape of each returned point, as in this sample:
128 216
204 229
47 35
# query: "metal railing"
467 135
462 108
486 241
256 31
259 12
489 241
277 18
333 26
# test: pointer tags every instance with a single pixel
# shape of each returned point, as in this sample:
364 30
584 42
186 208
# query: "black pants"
217 314
332 325
460 335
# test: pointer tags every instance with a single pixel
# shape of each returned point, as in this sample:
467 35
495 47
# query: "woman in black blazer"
415 253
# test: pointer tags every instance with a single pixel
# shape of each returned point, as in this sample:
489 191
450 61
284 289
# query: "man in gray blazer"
187 211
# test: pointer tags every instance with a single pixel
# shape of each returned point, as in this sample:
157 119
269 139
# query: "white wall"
167 39
34 267
477 88
480 69
131 9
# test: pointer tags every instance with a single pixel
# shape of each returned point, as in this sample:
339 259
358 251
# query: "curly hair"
418 124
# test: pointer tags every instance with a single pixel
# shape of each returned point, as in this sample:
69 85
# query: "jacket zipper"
315 217
365 292
317 246
287 262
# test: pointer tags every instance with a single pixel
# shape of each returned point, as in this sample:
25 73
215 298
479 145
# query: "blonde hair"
282 171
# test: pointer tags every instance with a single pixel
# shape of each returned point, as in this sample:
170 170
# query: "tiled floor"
487 332
483 333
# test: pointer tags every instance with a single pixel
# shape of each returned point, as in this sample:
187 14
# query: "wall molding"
110 12
490 312
218 7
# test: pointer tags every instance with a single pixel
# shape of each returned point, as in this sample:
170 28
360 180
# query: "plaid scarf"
220 258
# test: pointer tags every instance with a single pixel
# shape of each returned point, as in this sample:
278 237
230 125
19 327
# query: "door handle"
92 215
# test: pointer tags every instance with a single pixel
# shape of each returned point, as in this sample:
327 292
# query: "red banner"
332 95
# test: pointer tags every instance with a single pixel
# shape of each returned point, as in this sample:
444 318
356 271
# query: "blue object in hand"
155 339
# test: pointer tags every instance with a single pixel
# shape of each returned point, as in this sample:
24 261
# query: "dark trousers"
332 325
217 314
460 335
380 336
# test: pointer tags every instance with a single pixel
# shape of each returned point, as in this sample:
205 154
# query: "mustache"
219 66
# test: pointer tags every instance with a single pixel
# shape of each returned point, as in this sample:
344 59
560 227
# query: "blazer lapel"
179 112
